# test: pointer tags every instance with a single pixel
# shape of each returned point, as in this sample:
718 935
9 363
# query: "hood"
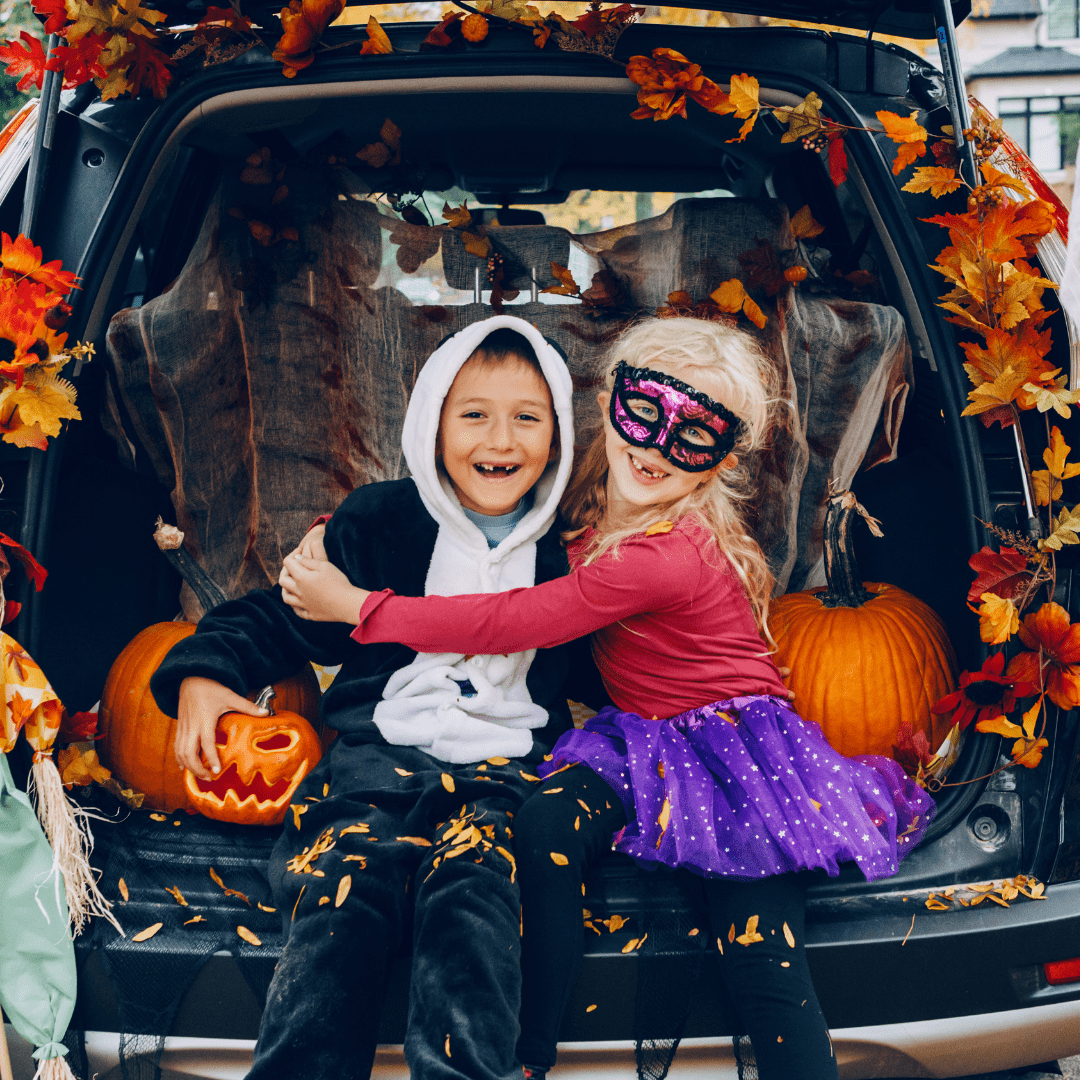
421 428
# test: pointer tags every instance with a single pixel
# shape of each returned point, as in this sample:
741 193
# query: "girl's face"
642 476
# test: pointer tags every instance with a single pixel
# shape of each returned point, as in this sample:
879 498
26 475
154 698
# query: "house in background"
1022 61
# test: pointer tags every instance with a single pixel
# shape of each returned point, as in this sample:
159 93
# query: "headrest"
524 248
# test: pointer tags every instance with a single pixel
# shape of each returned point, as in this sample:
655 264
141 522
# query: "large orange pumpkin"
138 737
263 760
864 656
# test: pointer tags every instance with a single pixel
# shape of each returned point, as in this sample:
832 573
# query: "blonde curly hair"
727 364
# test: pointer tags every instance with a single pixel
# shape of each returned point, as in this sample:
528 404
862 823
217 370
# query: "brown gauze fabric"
268 382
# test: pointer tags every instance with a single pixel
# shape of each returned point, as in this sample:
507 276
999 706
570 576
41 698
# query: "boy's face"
495 434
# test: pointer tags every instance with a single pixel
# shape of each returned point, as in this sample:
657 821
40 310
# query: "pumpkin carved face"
263 760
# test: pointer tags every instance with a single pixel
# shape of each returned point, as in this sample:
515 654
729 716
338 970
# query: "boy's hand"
311 547
317 590
202 702
784 673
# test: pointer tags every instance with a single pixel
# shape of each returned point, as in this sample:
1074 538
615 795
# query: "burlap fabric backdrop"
268 382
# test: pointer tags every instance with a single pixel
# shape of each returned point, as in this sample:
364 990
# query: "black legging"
769 981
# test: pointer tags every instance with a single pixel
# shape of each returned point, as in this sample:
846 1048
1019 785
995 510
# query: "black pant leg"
769 980
551 895
466 972
322 1009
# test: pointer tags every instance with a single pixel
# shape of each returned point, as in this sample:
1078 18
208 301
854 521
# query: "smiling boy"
418 791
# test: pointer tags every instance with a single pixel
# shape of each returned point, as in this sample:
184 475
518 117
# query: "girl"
702 763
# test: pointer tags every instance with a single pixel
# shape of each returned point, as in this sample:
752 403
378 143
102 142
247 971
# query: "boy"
413 801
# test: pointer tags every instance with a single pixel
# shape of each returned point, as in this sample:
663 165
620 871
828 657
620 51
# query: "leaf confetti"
248 936
148 933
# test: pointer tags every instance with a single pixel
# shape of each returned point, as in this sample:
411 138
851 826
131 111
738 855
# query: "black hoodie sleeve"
381 532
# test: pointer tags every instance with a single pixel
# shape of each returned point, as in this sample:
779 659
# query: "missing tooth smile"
495 470
645 471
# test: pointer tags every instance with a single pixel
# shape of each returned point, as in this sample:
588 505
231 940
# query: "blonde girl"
702 761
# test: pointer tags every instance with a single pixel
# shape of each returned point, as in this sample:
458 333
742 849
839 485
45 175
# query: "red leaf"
439 38
590 24
79 727
57 12
11 610
34 570
149 67
1003 573
837 161
912 748
80 62
26 60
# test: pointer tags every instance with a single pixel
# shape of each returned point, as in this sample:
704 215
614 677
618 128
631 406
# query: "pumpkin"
865 656
137 744
137 737
263 760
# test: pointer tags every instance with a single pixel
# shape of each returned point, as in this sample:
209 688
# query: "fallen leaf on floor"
148 933
248 936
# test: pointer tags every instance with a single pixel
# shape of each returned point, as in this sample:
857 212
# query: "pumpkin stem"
845 588
265 699
170 540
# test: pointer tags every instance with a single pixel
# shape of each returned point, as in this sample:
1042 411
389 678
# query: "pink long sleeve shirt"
672 628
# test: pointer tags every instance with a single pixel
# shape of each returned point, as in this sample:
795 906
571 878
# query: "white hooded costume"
426 703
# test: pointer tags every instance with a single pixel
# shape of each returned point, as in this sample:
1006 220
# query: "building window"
1045 128
1062 19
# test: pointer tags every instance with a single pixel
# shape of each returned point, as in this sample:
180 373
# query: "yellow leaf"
148 933
744 95
998 725
731 934
720 946
559 860
359 827
577 823
446 1046
729 296
659 528
694 932
403 772
122 885
194 919
590 1008
998 619
1056 454
344 885
754 313
803 225
457 217
803 120
664 816
296 812
750 936
631 945
447 782
789 937
1047 488
935 179
248 936
498 761
510 859
377 43
158 817
176 894
552 791
262 907
527 776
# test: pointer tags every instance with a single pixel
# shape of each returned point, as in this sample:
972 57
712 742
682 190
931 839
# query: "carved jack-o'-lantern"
263 760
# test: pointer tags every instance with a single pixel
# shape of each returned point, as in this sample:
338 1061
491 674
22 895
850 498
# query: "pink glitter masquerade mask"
650 408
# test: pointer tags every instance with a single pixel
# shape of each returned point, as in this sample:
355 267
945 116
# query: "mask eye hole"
641 408
699 436
279 740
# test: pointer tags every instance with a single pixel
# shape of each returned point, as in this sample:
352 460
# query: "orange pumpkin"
263 760
138 737
864 656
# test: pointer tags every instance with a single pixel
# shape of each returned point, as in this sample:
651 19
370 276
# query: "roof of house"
1005 9
1027 60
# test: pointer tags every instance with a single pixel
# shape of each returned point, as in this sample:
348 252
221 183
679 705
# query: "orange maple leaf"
23 260
302 24
378 44
1048 632
908 134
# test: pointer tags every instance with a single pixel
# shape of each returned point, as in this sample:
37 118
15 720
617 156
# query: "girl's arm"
647 576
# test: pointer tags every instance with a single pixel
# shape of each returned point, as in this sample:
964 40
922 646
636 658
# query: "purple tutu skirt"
744 788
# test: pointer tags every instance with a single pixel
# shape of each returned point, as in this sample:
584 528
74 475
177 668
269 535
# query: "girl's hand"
311 547
317 590
202 702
